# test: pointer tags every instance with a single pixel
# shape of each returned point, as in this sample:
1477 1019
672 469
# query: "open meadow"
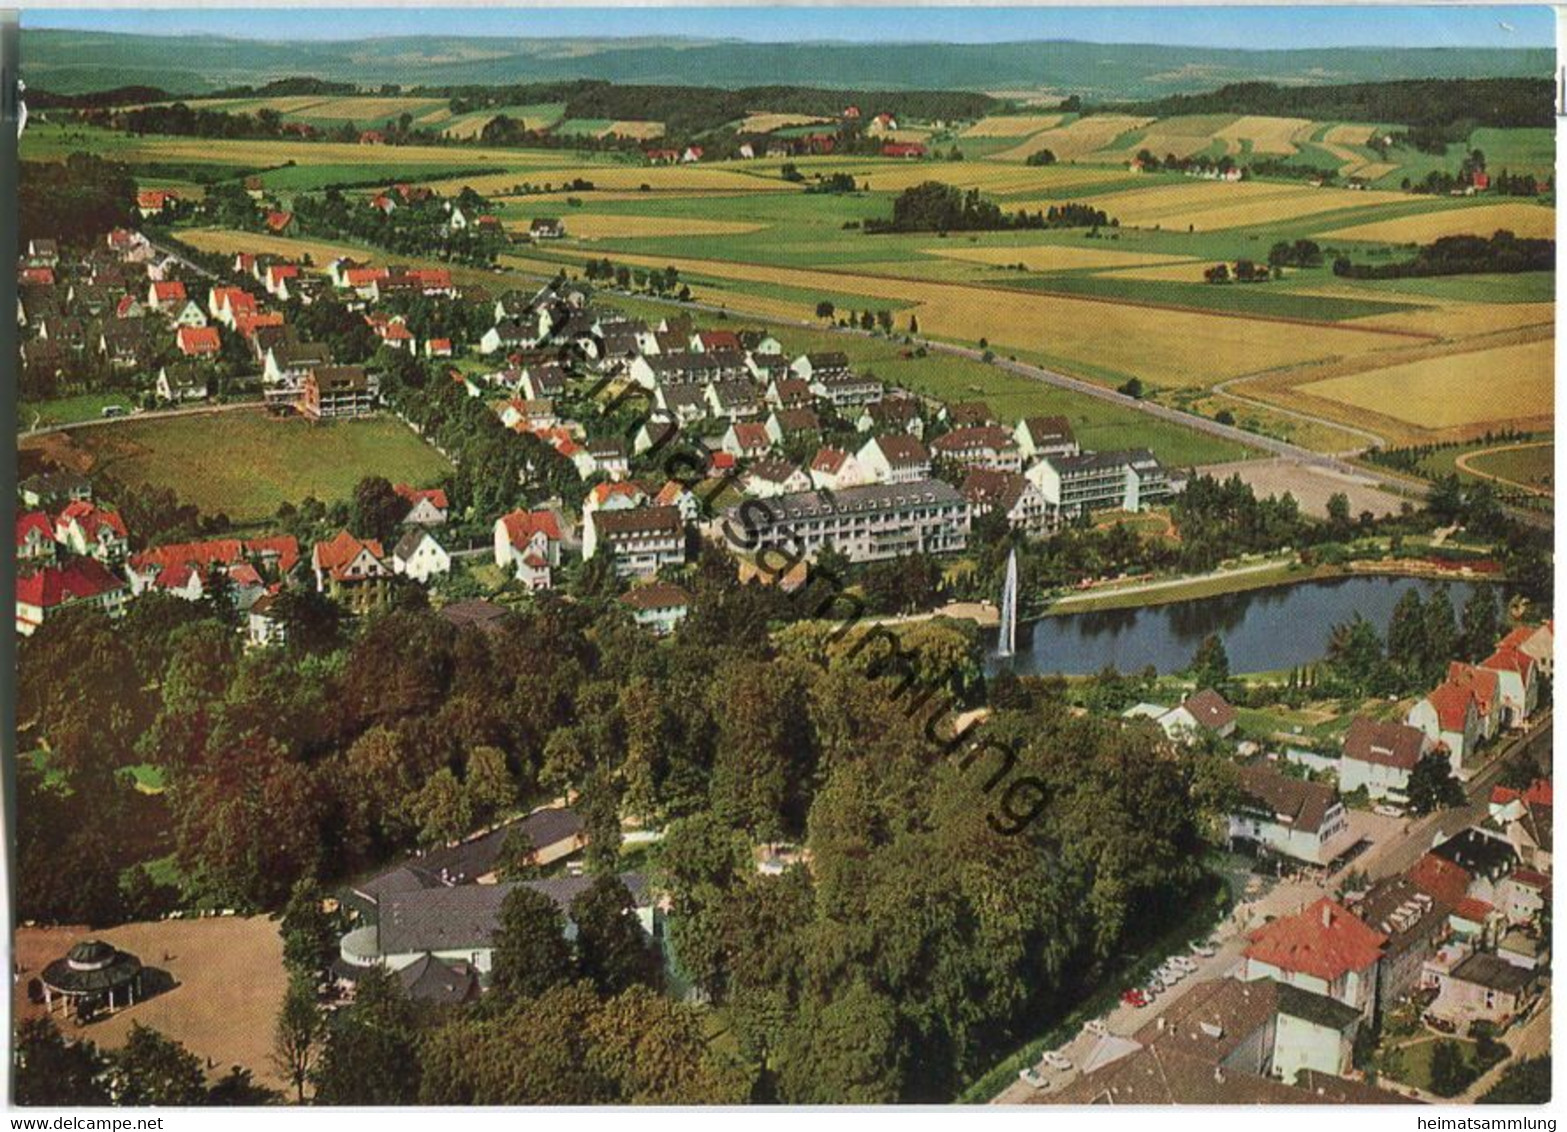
243 463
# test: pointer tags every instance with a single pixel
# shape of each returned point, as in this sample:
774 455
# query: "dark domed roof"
92 966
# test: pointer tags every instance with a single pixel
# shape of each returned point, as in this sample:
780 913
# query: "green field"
1529 467
68 410
244 464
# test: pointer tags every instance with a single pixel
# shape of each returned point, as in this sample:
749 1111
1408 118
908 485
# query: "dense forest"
1411 102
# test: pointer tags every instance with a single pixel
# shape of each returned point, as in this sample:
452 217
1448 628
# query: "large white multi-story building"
865 524
1092 481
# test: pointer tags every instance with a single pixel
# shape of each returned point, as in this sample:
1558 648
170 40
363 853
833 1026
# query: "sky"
1249 27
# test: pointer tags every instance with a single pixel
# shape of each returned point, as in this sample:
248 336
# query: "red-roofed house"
85 528
150 202
279 221
747 439
1516 684
1450 717
437 347
198 341
1380 757
1448 883
81 581
903 149
179 581
1323 949
1508 804
351 570
165 295
34 537
226 303
427 507
1535 641
833 469
706 341
527 543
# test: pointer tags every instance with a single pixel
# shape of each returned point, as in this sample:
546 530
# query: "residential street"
1396 845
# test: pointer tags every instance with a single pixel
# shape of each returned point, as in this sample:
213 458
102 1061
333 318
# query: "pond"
1266 629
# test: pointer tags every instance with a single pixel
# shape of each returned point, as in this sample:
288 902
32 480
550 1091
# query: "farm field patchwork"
1011 125
1057 257
1167 347
597 226
265 462
1209 205
1075 139
1530 465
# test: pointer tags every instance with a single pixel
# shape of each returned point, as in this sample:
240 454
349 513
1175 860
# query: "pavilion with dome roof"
93 975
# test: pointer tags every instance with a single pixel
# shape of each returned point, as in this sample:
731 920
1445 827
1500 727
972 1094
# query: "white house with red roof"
34 537
1537 641
527 545
1517 687
166 295
81 581
1380 757
747 440
894 458
198 341
85 528
225 303
351 570
1323 948
833 469
1450 718
427 507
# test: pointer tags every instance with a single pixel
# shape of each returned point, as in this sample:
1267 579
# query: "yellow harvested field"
289 104
1530 220
599 226
434 117
1461 320
1374 170
1161 144
1167 347
255 154
1348 134
360 108
1055 257
1453 391
1011 125
1267 135
1210 205
765 122
1075 139
629 128
658 178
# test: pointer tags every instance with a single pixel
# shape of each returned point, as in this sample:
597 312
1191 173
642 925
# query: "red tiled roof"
169 291
828 460
413 495
1451 702
360 276
1441 878
174 578
33 521
602 493
277 221
719 339
1538 793
1323 940
343 548
283 270
1508 658
247 324
90 517
1477 911
77 580
199 340
1383 744
218 552
523 525
750 435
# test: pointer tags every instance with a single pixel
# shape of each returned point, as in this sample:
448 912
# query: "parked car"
1153 989
1181 963
1057 1060
1134 997
1387 811
1097 1028
1204 948
1030 1078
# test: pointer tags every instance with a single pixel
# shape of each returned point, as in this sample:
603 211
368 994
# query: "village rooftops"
340 379
1318 1009
78 580
1401 910
902 451
1477 853
1214 1017
1323 940
1084 463
1486 970
1441 878
656 595
465 917
1047 431
1210 709
1384 744
632 522
1293 802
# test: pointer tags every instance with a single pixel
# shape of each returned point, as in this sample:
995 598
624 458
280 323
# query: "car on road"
1057 1060
1387 811
1181 963
1133 996
1097 1028
1153 989
1169 976
1203 948
1031 1078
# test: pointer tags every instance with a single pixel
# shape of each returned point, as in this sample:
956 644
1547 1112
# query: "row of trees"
1461 255
936 207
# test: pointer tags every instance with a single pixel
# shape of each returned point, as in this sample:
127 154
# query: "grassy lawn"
1180 589
69 410
149 779
1532 466
1411 1062
244 464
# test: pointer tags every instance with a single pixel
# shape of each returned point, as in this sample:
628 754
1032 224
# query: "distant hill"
71 62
